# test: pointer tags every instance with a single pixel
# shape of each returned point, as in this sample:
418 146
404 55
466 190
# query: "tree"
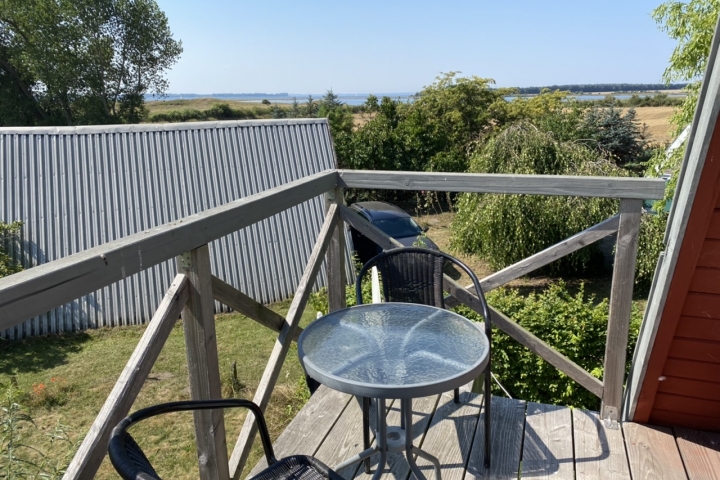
68 62
692 24
338 115
505 229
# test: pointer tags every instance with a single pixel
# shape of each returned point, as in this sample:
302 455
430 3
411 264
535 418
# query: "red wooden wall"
682 383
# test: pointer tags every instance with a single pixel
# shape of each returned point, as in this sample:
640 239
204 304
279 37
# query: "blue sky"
311 46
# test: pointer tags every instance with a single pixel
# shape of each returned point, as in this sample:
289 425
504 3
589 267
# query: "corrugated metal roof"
78 187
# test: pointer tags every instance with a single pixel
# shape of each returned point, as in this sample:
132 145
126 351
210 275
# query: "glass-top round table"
393 350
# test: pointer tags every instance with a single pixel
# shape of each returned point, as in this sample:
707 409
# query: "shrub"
9 233
504 229
574 325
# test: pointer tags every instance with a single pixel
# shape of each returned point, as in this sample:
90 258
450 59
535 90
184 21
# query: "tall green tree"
68 62
692 24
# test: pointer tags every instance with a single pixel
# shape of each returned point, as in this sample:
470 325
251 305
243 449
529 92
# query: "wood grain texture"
621 293
714 227
39 289
706 280
700 452
687 404
698 328
283 342
599 451
92 451
241 303
198 318
397 466
701 305
693 349
549 255
336 257
558 185
548 442
450 434
696 388
507 423
672 419
652 453
692 370
710 254
310 427
346 438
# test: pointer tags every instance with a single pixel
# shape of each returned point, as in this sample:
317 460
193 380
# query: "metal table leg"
382 447
410 449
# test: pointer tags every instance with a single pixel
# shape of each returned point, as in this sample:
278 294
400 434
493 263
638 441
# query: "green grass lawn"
66 378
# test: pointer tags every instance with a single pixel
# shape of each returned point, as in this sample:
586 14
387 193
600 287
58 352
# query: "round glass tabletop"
393 350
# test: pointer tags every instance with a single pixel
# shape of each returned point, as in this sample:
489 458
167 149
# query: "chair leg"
312 384
456 395
488 398
366 430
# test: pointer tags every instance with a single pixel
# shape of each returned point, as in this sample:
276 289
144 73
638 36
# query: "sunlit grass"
66 378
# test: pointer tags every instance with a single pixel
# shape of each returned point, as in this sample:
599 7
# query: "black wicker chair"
415 275
131 463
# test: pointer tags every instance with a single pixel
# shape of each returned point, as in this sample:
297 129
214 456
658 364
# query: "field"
164 106
657 121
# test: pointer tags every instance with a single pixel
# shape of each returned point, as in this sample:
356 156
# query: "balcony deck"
529 440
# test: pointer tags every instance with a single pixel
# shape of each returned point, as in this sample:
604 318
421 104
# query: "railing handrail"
42 288
637 188
39 289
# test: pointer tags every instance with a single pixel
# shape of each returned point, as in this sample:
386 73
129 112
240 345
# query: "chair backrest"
415 275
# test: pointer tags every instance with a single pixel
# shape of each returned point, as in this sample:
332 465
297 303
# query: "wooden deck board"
506 435
397 467
548 447
652 453
346 439
700 452
546 441
599 451
450 435
309 428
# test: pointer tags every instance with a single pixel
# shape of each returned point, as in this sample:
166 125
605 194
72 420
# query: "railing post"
202 359
337 281
620 308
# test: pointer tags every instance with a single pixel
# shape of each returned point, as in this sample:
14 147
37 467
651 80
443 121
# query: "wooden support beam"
550 254
39 289
282 344
241 303
202 359
337 280
92 451
620 309
556 185
541 349
461 294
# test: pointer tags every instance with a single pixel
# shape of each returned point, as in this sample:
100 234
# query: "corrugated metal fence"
75 188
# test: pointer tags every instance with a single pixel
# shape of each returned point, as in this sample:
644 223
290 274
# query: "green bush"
504 229
9 232
574 325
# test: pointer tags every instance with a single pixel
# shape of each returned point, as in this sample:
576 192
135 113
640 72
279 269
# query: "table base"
392 440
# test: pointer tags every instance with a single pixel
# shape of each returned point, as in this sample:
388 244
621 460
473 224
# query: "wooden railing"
194 290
